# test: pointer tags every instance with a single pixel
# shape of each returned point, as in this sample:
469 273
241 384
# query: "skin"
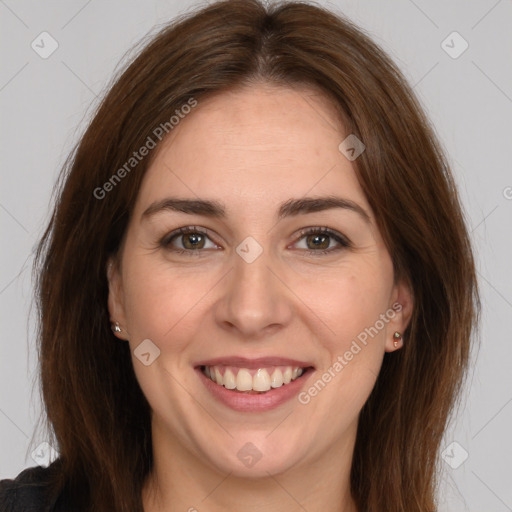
252 149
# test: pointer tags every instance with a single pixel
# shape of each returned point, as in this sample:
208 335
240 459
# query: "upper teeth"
243 379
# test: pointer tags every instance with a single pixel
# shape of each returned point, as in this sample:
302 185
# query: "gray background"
45 104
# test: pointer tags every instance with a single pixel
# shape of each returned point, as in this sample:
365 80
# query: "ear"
402 303
116 298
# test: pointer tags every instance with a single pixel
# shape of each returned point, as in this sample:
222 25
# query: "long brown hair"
97 415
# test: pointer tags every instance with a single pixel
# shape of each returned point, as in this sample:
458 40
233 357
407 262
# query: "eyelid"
340 238
321 229
165 241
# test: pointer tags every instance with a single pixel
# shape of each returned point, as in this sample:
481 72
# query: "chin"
258 458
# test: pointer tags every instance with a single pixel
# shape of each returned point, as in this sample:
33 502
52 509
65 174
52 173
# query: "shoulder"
30 491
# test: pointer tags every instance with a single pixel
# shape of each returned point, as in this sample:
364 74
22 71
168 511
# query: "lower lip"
258 402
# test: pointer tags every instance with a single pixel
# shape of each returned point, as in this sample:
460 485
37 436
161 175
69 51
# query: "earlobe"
115 300
402 305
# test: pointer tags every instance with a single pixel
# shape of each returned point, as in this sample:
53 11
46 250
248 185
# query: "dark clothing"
30 491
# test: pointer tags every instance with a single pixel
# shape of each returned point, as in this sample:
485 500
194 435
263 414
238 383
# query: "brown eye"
193 241
189 240
318 241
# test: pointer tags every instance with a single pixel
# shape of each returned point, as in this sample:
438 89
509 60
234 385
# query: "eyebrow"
289 208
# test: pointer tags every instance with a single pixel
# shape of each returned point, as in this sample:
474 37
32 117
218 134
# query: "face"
235 264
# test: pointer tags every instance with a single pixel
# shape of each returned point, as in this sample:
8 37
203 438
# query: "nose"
255 300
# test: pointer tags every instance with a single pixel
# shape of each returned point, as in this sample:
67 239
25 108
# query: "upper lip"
260 362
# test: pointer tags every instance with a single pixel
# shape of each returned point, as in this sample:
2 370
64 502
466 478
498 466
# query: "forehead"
261 144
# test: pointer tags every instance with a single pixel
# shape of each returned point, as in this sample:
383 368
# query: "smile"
259 380
253 385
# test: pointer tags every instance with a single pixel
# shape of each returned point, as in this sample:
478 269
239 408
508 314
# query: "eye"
187 240
191 240
317 241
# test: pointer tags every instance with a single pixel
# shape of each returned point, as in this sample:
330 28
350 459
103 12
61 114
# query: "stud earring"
116 327
396 338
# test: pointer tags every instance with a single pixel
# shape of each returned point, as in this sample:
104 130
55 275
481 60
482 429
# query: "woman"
257 228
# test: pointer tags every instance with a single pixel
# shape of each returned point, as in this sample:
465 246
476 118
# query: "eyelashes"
323 233
194 240
199 236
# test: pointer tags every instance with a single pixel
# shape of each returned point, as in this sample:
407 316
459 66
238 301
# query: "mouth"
253 381
253 385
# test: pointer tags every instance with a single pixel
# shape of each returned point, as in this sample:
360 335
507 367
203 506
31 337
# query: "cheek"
357 347
351 303
160 303
351 299
166 308
353 354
